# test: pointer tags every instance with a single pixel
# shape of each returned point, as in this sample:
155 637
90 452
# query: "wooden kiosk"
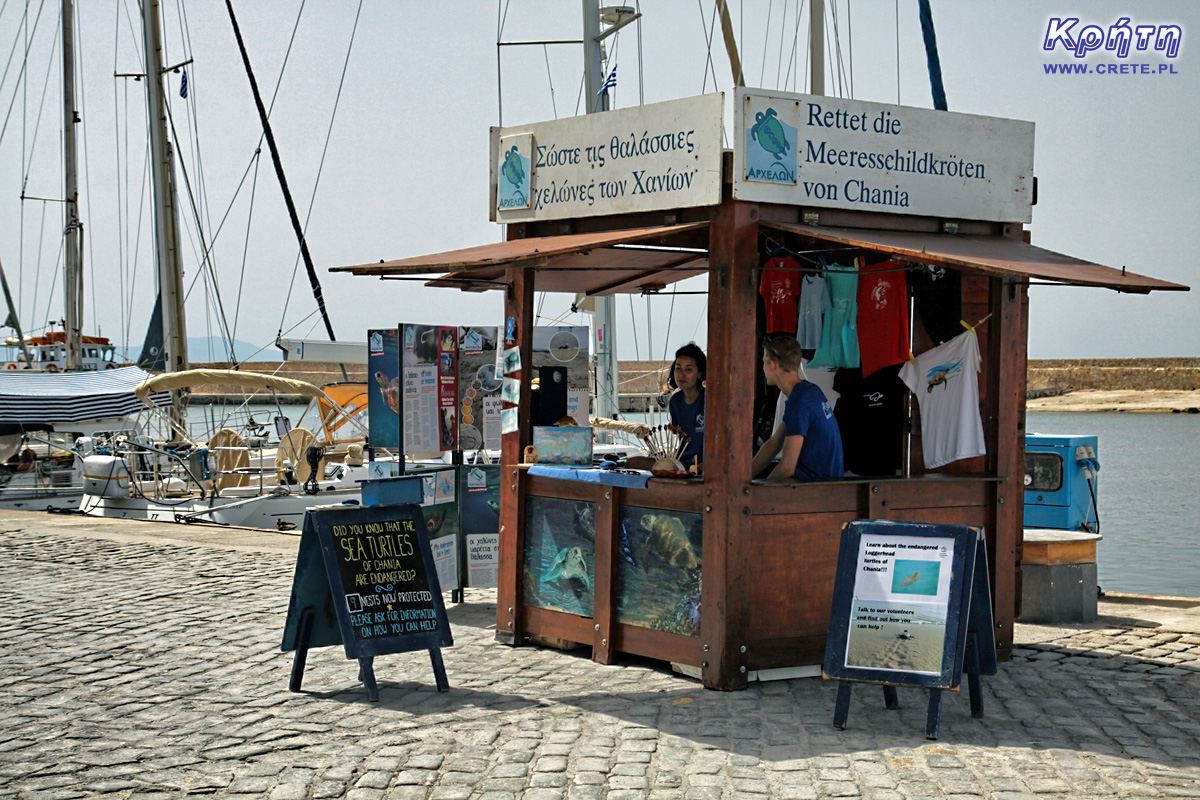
764 555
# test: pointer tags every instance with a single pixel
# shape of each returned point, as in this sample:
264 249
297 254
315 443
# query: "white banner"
810 150
660 156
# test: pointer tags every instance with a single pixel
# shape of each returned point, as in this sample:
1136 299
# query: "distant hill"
212 348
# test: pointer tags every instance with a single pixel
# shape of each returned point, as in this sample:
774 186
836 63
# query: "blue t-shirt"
808 414
691 419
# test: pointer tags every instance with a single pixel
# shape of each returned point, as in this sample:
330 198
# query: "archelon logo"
770 149
512 184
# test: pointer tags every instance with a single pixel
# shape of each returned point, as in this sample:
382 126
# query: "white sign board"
660 156
809 150
483 559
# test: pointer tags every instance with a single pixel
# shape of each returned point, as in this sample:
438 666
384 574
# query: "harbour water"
1149 504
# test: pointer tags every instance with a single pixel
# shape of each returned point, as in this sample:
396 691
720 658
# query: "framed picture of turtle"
383 385
560 555
658 569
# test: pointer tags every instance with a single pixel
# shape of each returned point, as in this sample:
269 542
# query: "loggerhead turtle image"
390 389
768 132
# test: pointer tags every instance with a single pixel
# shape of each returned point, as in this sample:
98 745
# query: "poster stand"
931 582
365 579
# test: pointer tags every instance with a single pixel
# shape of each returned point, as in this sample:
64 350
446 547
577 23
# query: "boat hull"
267 512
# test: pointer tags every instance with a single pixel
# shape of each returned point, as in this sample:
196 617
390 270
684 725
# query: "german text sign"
832 152
658 156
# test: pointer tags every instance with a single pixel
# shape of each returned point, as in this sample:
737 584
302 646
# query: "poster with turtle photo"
478 389
383 388
566 346
659 560
429 388
560 555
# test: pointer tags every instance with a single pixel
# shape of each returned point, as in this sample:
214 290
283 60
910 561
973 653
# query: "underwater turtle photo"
768 132
390 389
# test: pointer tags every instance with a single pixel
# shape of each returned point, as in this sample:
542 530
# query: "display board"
429 387
364 579
479 500
383 388
478 389
911 604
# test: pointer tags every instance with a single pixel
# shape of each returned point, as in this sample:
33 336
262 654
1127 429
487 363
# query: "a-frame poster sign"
911 607
365 579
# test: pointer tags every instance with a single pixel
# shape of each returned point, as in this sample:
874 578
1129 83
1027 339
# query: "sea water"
1149 499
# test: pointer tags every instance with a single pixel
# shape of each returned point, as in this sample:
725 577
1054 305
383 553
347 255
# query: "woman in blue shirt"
687 404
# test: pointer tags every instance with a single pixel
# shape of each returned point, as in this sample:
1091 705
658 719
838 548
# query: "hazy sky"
406 171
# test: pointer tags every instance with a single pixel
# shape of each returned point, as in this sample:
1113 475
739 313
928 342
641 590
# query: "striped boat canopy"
49 397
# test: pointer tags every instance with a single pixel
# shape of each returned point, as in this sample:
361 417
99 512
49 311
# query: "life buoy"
11 365
110 366
52 368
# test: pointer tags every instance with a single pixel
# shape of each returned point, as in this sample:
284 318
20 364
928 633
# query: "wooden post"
732 285
1008 350
604 612
518 305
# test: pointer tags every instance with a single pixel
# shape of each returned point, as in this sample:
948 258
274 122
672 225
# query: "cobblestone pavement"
148 669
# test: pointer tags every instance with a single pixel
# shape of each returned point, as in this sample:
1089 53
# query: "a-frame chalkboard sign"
365 579
911 607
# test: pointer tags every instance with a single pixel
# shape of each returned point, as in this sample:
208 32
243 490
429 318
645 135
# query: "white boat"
43 416
226 477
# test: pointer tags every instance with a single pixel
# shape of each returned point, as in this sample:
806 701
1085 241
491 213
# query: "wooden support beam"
518 305
732 355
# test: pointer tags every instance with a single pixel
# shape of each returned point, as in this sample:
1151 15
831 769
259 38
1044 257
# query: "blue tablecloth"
605 476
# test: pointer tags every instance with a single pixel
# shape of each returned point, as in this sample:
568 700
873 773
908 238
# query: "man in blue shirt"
807 441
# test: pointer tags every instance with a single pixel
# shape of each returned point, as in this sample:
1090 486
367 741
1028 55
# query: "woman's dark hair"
690 350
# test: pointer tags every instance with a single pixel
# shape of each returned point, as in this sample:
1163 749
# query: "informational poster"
478 389
445 560
479 493
383 388
901 601
430 388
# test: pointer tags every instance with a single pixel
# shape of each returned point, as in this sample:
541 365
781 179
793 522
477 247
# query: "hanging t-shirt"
937 294
814 302
839 329
691 419
943 380
821 377
882 316
780 289
871 417
808 414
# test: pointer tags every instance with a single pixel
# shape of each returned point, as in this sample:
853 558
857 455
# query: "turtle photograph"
659 570
560 555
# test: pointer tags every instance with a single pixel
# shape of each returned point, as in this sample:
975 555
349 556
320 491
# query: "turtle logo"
770 149
941 375
512 187
769 132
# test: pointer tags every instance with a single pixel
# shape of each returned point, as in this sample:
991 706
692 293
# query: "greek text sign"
810 150
665 155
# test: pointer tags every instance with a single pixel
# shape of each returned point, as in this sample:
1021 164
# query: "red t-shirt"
780 290
882 316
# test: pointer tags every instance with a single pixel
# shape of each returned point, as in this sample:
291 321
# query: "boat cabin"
49 353
724 573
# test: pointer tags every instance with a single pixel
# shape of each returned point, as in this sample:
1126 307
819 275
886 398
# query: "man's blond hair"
784 351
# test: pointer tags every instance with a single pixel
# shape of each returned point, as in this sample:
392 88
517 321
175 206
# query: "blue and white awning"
48 397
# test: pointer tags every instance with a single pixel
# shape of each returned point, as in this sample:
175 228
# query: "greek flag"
610 82
183 85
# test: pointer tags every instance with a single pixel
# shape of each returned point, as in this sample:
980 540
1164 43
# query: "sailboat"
227 476
62 387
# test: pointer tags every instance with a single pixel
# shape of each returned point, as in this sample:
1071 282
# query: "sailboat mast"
603 320
816 47
73 229
166 224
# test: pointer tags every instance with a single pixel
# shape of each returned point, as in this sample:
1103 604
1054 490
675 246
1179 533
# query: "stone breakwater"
1114 374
